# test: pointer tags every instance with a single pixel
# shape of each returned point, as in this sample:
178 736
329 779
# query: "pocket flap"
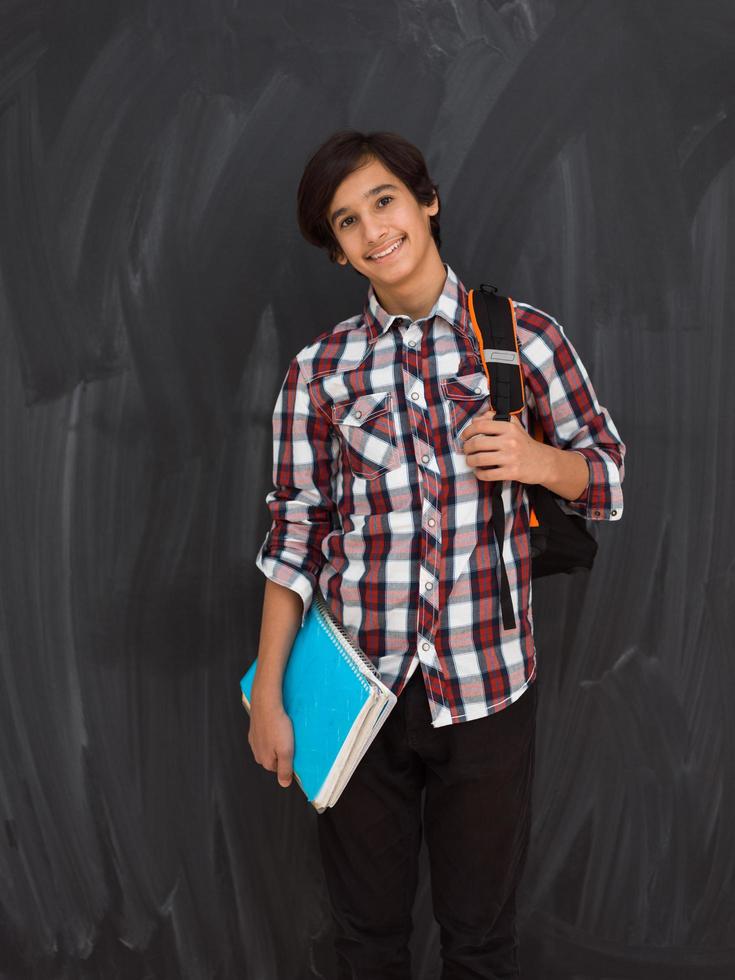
461 386
356 411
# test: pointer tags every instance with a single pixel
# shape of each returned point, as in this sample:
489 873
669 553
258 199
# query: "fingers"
281 764
285 769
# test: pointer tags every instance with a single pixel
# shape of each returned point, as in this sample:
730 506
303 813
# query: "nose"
375 230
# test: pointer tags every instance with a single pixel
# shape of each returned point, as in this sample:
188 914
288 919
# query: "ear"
433 208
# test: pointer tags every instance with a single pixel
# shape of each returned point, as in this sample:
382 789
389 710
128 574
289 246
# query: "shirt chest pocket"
465 397
366 425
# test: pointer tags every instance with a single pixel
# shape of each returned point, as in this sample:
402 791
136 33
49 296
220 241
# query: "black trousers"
478 777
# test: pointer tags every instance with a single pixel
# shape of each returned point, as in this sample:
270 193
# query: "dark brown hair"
337 158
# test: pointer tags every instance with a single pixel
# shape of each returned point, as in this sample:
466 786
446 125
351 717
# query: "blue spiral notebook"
335 699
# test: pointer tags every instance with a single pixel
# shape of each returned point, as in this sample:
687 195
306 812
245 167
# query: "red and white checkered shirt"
375 501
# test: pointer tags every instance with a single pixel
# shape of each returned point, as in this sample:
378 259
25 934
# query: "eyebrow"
371 193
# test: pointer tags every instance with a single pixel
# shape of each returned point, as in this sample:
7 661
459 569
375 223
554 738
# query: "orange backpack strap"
494 323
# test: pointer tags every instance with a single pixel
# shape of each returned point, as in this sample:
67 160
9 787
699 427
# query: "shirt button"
432 522
358 415
424 646
412 343
429 585
478 390
425 458
613 512
414 395
597 513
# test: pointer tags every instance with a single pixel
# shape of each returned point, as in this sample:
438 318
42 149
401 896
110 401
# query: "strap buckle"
493 355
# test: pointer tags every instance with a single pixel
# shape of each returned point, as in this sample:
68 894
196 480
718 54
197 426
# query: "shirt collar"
451 304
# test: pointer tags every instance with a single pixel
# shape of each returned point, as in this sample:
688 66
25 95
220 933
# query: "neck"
415 296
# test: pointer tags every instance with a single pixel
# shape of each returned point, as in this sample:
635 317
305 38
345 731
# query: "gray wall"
153 286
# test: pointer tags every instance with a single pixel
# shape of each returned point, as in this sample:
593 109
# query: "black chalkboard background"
153 287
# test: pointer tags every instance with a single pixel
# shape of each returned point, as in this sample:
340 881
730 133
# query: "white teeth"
379 255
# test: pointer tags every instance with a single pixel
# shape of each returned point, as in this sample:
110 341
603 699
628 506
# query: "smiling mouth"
395 247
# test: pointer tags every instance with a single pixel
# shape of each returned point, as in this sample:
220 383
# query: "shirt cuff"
602 498
293 576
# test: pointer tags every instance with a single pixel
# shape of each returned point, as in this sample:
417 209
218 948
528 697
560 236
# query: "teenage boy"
385 452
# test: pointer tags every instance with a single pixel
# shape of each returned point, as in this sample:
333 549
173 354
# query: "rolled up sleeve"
572 418
301 505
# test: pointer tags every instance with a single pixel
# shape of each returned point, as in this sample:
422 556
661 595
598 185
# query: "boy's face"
369 223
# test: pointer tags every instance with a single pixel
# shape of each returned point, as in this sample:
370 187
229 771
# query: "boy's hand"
271 738
505 450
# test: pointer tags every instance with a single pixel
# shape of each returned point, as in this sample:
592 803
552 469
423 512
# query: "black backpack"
560 542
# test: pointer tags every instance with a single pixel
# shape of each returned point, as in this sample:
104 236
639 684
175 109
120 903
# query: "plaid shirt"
375 501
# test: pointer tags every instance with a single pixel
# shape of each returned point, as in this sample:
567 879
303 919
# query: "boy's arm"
278 627
301 504
572 419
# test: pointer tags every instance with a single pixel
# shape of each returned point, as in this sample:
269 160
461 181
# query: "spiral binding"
336 627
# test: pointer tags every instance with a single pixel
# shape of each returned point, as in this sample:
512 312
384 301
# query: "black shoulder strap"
493 315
